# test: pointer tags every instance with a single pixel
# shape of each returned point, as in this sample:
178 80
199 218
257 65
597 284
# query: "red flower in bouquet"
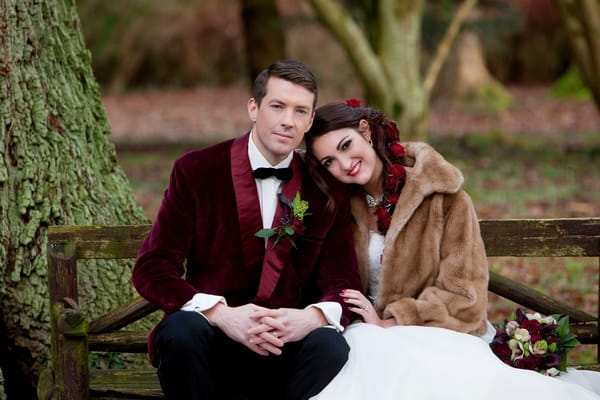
531 341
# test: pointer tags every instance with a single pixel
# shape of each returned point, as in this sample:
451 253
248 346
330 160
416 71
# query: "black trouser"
198 361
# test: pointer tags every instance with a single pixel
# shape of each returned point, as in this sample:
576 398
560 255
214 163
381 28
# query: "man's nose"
288 118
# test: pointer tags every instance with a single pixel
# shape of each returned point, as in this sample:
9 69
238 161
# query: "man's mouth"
283 135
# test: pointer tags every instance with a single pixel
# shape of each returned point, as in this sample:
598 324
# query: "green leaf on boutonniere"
265 233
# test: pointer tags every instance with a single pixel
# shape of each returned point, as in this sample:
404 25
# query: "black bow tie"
284 174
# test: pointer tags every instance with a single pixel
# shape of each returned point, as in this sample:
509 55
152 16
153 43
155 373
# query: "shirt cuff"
202 302
332 312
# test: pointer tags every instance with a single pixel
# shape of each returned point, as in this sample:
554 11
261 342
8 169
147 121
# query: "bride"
425 333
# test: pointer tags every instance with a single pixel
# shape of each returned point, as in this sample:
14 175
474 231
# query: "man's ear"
252 109
364 129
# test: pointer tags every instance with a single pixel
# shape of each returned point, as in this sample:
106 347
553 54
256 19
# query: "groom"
248 316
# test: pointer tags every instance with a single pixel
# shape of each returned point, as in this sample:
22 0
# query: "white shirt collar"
257 160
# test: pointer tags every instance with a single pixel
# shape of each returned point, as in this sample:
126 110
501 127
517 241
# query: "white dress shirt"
268 190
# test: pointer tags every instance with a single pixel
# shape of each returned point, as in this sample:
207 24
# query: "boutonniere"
289 225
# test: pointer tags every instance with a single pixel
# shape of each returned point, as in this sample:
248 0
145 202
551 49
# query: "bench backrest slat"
101 242
507 237
542 237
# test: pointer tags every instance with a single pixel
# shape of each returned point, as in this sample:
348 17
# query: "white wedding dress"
425 363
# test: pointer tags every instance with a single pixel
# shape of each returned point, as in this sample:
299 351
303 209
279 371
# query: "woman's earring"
370 141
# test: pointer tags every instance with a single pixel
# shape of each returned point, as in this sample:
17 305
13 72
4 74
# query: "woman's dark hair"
334 116
289 70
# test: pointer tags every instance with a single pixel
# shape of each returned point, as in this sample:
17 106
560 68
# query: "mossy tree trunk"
57 167
387 59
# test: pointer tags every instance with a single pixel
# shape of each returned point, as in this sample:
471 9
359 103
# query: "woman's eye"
326 163
346 144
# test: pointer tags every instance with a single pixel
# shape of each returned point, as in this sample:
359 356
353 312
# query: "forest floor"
208 114
540 158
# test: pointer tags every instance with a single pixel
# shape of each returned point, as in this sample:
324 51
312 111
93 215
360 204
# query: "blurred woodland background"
509 106
507 90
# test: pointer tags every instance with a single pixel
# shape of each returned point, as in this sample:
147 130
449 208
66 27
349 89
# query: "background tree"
386 53
263 34
582 20
56 167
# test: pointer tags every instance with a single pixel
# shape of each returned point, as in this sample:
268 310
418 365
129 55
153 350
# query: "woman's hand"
362 306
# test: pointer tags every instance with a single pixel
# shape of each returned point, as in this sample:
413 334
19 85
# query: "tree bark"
57 167
263 33
2 394
582 20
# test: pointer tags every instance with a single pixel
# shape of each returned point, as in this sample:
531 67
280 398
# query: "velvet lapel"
276 258
249 217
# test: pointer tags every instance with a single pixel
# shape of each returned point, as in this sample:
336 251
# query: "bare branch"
445 45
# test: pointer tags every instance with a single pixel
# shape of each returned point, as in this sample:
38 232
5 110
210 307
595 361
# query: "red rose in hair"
382 213
386 222
397 149
353 103
391 182
392 131
396 170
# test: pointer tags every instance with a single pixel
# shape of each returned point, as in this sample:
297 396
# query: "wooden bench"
73 336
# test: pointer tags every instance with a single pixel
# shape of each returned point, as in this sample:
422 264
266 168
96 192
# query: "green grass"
526 178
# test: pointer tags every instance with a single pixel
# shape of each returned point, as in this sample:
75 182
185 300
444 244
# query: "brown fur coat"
435 270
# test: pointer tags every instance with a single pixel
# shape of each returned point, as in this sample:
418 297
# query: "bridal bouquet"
531 341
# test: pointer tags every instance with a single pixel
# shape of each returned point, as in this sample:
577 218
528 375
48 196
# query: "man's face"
284 115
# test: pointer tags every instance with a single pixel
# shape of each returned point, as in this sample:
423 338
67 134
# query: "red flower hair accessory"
353 103
397 149
392 131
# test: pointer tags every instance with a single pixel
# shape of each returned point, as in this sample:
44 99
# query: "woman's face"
348 156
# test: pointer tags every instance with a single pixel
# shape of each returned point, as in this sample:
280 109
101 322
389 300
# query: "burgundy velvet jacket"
203 239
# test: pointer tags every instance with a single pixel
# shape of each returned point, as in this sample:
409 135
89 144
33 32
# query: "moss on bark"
57 166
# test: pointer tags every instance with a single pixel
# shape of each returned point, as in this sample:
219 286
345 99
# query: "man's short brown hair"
289 70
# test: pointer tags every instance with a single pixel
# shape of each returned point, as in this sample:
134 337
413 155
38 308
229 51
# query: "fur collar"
427 172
